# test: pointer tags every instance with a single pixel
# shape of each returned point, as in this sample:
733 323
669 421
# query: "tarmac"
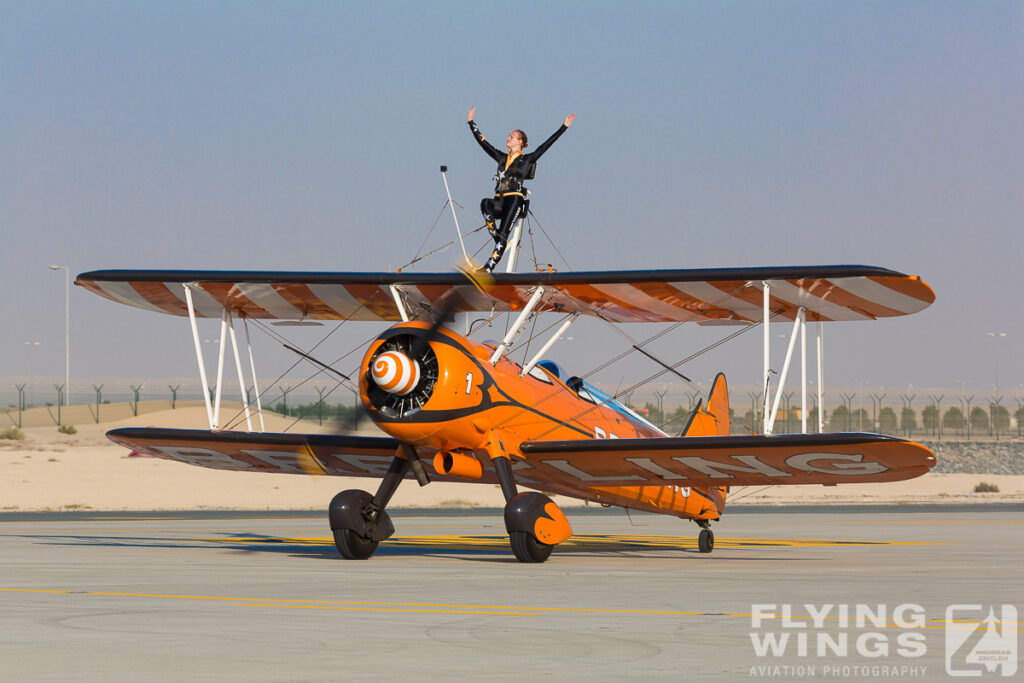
788 593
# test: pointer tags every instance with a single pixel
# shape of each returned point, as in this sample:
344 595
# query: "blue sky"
307 136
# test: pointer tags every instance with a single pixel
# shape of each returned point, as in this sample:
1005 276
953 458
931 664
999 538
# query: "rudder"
712 420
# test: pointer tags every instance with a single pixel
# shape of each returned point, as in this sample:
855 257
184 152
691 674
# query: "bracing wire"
750 493
444 247
429 233
608 363
277 336
651 378
553 245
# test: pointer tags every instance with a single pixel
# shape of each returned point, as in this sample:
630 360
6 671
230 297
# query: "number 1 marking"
469 382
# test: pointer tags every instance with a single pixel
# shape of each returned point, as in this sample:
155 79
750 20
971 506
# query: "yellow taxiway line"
446 608
578 542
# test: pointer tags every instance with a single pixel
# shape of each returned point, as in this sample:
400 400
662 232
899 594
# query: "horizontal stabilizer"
730 460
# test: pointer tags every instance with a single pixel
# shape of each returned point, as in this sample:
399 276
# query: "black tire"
706 541
527 548
352 546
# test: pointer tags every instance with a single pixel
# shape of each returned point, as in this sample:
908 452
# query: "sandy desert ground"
52 471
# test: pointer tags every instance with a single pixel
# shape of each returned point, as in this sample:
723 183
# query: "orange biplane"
462 410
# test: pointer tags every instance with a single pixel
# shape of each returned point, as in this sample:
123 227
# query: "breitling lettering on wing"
696 467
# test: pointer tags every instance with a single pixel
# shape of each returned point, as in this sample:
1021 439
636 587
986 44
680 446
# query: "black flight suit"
509 193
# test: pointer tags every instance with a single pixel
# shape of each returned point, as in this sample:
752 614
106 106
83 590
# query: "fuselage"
462 404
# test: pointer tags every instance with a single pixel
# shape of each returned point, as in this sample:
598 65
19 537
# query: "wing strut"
238 369
799 328
785 369
199 355
766 287
398 302
548 344
803 373
220 367
252 366
821 377
518 324
227 328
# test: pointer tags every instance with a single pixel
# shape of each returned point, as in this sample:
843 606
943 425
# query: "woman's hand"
469 116
568 119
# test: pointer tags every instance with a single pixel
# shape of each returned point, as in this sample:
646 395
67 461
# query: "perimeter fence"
933 412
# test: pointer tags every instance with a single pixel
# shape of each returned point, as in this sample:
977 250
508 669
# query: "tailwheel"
706 541
352 546
527 548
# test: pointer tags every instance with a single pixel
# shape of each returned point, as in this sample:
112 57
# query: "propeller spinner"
395 372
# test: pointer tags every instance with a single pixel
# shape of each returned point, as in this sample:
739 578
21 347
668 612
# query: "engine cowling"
397 384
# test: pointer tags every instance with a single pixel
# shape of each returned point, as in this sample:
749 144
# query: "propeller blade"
481 279
424 337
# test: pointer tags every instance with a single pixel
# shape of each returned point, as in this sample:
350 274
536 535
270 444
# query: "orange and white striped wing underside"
827 293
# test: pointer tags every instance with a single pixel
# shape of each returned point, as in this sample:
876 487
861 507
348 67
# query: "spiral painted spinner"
395 372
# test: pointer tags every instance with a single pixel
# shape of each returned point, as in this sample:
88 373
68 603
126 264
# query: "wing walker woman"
503 210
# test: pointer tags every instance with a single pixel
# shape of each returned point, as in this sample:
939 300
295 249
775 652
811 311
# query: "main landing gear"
535 524
706 538
358 520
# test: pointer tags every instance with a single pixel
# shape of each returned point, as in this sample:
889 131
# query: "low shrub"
985 487
12 433
67 429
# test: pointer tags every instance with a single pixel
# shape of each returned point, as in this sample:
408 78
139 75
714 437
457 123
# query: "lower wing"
345 456
730 460
583 463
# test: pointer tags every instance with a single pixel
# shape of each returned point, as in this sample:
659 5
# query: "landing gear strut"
358 520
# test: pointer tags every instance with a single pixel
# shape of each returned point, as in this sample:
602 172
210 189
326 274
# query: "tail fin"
712 420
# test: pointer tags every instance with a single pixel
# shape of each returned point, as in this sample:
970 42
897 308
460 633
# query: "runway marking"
576 522
409 608
94 519
489 611
578 542
944 522
446 608
185 529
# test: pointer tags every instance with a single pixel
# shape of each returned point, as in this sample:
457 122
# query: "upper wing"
346 456
729 460
702 295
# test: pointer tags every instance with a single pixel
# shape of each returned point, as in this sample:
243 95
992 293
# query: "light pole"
995 336
67 331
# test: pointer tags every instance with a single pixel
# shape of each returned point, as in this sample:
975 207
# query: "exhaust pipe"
458 465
